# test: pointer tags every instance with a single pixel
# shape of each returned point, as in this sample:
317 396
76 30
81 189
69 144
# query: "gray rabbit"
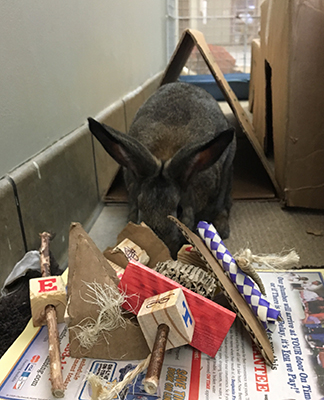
177 160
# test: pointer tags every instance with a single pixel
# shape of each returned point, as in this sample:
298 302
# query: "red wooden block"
212 320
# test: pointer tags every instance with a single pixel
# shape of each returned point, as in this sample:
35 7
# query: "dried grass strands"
109 301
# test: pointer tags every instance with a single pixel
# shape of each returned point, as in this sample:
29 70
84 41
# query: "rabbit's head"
158 188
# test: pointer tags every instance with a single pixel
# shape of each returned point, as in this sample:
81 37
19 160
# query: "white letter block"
169 308
44 291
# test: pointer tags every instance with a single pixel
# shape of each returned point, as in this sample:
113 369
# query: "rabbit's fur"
177 160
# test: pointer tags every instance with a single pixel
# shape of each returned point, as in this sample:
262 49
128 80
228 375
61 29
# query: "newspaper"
238 372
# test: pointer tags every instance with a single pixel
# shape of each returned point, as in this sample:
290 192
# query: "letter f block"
169 308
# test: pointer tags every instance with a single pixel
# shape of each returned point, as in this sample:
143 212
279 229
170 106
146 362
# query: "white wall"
61 61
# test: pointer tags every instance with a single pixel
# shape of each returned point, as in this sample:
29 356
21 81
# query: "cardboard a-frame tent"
191 38
254 179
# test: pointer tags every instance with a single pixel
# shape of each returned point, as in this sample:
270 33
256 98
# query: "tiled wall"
62 184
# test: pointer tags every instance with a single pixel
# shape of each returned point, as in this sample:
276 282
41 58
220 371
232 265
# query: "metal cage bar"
229 27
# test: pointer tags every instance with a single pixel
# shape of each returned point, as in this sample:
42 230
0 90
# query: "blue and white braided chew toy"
261 307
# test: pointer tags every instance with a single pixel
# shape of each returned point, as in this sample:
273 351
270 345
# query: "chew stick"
151 381
51 321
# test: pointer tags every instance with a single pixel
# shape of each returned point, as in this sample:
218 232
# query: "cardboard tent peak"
125 341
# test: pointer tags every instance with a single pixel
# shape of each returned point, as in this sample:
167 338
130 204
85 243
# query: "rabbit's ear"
125 149
197 157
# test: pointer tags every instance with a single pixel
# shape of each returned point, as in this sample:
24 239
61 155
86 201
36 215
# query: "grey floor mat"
266 227
263 226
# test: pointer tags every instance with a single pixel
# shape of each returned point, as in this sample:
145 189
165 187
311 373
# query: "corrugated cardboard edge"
255 45
258 88
239 305
191 38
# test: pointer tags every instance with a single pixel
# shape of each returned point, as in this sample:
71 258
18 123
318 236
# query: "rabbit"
177 160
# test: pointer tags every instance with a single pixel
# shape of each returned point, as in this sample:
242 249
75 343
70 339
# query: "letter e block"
45 291
168 308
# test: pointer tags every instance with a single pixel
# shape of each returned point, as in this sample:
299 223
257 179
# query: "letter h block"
45 291
168 308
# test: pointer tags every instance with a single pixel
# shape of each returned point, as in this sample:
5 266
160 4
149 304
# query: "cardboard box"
288 97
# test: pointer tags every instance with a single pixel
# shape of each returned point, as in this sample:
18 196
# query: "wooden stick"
51 321
151 381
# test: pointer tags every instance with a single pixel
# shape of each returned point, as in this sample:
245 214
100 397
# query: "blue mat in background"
238 82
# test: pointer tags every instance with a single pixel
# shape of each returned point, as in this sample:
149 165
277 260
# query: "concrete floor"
110 222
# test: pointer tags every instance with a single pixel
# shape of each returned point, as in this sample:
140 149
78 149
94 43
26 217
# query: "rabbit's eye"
179 211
